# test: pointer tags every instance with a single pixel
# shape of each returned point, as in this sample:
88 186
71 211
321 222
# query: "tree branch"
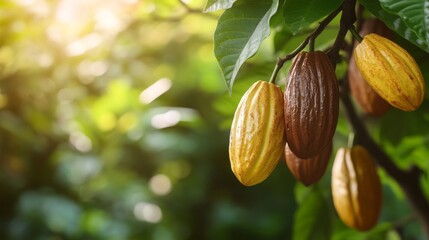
409 180
348 17
322 25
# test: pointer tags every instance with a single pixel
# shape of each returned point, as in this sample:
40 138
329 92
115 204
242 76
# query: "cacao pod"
309 170
366 97
257 133
356 188
311 104
391 71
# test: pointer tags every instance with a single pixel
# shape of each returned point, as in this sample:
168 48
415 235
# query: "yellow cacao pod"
356 188
257 133
391 71
311 104
368 100
308 170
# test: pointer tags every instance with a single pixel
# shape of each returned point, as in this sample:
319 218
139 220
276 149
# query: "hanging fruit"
311 170
257 133
311 104
356 188
391 71
366 97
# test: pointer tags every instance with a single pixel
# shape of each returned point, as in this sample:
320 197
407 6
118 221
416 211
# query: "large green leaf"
414 13
214 5
312 218
299 14
239 33
396 23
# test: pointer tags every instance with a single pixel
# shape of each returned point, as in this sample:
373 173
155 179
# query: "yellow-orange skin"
369 101
257 133
391 71
356 188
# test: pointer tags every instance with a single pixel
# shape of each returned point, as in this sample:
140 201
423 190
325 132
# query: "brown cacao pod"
366 97
257 133
391 71
309 170
356 188
311 104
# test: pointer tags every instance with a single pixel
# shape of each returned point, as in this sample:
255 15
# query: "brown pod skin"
309 170
356 188
311 104
369 101
374 25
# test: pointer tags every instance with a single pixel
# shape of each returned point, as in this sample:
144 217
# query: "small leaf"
281 38
214 5
299 14
312 218
396 23
412 12
239 33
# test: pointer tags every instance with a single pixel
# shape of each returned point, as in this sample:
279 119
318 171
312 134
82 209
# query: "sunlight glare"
106 20
155 90
148 212
167 119
160 184
84 44
45 60
80 141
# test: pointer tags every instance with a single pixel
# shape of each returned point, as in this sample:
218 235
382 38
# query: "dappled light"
155 90
101 132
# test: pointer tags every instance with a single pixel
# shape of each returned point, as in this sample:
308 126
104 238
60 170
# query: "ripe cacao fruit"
356 188
391 71
366 97
257 133
311 104
309 170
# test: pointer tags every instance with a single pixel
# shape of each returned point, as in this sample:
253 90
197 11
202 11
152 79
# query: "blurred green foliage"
114 123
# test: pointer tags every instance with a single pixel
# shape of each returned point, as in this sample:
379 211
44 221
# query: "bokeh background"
114 124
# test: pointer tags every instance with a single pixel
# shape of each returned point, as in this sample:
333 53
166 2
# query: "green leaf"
214 5
281 38
424 181
239 33
412 12
396 23
407 145
299 14
312 218
277 20
379 232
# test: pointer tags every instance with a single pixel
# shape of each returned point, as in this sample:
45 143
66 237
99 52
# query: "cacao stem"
310 38
355 34
348 17
275 72
311 44
351 140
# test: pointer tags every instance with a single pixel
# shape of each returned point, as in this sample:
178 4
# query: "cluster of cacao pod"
305 116
311 108
300 123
